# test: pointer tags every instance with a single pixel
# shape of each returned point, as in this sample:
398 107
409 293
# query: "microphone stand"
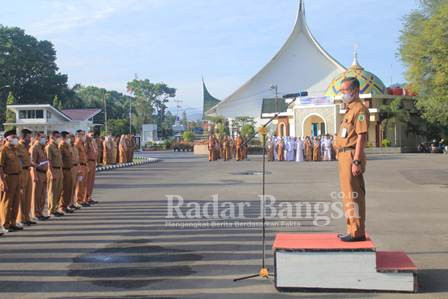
264 271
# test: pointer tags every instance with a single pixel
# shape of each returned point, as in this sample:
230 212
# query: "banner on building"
316 101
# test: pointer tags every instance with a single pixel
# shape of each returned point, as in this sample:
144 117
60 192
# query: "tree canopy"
424 51
28 67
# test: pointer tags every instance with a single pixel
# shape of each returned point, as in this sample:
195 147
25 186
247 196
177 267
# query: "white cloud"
63 16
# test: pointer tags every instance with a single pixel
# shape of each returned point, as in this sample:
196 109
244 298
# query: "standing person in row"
10 170
99 146
316 149
211 148
23 147
300 149
67 172
308 150
76 172
108 150
54 174
122 149
270 149
239 147
92 156
130 148
281 150
39 176
81 184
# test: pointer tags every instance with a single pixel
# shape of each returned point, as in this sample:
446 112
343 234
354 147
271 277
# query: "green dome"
369 83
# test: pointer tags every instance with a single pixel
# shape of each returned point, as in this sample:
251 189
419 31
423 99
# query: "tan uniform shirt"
23 154
9 160
81 151
38 156
66 155
53 154
91 149
75 155
355 122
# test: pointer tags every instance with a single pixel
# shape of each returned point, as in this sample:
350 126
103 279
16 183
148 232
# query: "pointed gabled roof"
208 100
300 65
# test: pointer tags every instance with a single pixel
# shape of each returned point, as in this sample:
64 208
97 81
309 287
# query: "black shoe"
16 227
10 229
92 202
349 238
343 235
43 218
31 222
57 214
84 204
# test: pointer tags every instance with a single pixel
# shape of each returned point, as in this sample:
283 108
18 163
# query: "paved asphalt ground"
123 248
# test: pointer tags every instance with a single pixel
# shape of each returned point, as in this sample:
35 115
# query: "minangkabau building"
303 65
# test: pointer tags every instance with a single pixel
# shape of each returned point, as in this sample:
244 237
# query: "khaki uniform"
130 148
211 149
10 163
99 146
316 150
92 156
122 150
308 152
67 182
108 152
75 172
239 148
25 177
54 185
39 191
114 151
355 122
81 184
281 150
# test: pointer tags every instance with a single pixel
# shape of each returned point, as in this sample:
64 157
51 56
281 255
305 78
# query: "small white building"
46 118
149 133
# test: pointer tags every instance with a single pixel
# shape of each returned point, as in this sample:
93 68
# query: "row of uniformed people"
112 150
226 148
34 169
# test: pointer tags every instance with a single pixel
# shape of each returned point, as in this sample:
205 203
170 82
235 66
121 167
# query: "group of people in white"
287 148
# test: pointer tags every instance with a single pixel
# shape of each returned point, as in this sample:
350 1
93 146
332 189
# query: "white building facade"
46 118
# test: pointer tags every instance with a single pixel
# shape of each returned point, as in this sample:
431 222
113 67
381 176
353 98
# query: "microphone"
296 95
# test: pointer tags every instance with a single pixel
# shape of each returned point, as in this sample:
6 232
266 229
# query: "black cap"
65 133
25 132
10 132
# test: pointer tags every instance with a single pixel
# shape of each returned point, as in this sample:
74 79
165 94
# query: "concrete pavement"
125 247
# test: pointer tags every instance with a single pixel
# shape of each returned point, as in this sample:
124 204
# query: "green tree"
29 67
10 115
150 102
94 97
247 130
118 126
57 103
188 136
424 51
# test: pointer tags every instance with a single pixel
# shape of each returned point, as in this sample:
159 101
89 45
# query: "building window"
31 114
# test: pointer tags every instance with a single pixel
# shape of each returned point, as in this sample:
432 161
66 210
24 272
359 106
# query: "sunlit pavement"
124 247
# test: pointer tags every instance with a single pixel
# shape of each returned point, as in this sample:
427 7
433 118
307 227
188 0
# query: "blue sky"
107 42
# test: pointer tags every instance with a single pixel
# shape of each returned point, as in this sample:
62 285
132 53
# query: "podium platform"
322 261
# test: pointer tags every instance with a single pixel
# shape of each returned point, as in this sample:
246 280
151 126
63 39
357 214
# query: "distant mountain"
192 112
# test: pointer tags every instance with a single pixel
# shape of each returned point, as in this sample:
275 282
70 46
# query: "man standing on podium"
350 143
